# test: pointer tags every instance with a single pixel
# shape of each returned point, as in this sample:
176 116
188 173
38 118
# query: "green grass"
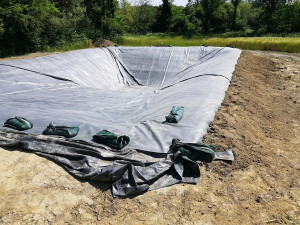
283 44
70 46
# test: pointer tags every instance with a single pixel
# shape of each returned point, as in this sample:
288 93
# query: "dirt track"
259 120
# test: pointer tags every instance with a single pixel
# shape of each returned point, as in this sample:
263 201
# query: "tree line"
31 25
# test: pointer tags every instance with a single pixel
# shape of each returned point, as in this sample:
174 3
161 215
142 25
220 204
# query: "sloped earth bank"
259 120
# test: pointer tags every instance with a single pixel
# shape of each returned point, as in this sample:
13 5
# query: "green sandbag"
112 140
187 169
64 131
175 115
195 152
18 123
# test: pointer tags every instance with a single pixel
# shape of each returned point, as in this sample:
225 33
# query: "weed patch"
282 44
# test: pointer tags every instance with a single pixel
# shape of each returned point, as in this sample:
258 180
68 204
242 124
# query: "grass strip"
70 46
282 44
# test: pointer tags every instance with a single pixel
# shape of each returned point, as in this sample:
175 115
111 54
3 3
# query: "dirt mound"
103 43
259 120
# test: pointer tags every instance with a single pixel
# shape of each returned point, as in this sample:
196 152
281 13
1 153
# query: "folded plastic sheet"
126 90
131 172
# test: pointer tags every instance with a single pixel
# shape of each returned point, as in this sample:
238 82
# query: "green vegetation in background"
50 25
70 46
284 44
40 25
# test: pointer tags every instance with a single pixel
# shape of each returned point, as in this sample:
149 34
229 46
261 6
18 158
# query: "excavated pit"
126 90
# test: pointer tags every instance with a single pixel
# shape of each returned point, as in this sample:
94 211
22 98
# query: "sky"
159 2
176 2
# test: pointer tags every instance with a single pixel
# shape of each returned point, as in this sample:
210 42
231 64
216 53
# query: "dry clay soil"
259 119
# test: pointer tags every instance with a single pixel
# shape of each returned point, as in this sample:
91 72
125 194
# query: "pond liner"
126 90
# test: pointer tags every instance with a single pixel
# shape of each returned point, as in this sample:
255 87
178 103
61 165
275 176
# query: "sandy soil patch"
30 56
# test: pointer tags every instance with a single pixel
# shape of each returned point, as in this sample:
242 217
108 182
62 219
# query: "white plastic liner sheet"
126 90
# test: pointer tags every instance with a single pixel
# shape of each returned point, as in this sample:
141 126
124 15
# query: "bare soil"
103 43
30 56
259 119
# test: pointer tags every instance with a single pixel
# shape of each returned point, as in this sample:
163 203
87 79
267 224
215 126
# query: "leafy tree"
1 27
31 25
1 34
269 7
194 14
293 12
69 24
222 18
23 23
69 6
235 4
179 22
209 7
124 17
249 17
164 16
143 16
100 10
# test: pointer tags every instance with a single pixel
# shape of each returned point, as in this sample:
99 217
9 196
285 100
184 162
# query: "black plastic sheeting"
131 172
127 91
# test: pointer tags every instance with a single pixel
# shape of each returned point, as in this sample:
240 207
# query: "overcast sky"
176 2
159 2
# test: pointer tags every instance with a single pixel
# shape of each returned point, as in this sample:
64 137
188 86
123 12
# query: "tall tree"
209 7
67 5
164 16
144 16
269 7
100 10
294 16
235 4
23 21
124 4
